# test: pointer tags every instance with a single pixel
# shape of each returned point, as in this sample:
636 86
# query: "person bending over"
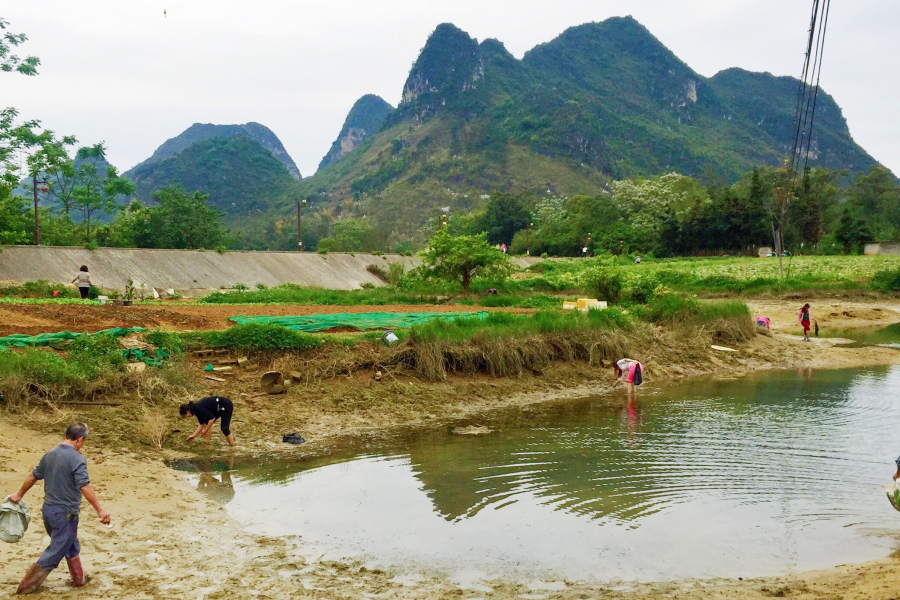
208 410
630 371
64 472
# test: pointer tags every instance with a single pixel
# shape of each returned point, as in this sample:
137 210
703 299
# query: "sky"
131 76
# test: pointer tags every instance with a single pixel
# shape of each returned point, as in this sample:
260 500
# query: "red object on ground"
55 293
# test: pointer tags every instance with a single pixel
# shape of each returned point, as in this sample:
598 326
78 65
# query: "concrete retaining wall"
194 273
882 248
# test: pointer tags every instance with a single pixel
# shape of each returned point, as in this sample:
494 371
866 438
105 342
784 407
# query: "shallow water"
767 474
871 336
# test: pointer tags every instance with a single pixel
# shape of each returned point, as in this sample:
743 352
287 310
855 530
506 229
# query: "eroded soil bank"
168 540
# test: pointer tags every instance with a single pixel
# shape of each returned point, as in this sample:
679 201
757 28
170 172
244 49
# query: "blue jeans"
63 531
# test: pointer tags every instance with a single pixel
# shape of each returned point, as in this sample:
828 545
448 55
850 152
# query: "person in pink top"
804 318
631 372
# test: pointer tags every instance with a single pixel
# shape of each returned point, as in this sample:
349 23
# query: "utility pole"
299 236
37 218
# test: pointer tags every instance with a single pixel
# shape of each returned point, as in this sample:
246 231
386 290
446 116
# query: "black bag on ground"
292 438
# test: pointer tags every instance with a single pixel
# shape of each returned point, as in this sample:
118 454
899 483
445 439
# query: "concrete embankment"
193 272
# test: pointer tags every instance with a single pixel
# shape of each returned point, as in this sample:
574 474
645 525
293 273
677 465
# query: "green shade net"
46 339
358 321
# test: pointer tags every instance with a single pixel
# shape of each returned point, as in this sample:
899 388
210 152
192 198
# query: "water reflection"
744 477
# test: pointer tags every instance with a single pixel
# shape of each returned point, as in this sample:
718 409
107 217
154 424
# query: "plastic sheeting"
44 339
358 321
14 519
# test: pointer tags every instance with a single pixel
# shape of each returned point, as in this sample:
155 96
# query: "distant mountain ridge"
241 176
199 132
363 120
602 101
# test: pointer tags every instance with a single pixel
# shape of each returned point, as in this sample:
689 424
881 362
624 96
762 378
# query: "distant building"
882 248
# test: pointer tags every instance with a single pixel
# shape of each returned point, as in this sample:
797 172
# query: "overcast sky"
123 73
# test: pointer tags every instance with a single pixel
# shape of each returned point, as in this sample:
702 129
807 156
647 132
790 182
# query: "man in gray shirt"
64 472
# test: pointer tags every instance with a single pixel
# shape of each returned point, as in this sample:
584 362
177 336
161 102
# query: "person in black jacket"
208 410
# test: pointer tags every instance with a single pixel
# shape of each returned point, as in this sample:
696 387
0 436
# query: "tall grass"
506 345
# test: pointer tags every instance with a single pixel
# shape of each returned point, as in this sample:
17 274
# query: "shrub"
887 281
261 337
605 282
165 340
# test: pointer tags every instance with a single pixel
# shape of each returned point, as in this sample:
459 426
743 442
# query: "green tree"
96 188
461 258
877 195
9 61
13 220
852 231
504 216
179 220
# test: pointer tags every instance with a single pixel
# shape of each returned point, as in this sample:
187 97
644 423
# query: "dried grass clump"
14 394
154 427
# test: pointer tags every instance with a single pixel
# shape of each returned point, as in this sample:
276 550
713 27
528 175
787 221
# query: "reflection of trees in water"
617 461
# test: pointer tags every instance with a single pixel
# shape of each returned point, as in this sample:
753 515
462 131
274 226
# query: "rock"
472 430
137 367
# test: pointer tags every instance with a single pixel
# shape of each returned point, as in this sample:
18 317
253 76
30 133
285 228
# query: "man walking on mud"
64 472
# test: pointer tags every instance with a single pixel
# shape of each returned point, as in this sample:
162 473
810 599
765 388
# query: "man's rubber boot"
77 573
34 579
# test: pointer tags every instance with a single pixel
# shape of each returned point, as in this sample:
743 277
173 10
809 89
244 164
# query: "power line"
808 91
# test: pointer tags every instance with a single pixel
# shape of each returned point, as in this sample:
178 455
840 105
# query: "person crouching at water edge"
631 371
208 410
64 472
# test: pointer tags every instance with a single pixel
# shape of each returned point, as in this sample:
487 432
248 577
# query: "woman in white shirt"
83 279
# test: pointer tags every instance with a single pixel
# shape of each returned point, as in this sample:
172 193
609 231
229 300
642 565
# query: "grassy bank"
91 368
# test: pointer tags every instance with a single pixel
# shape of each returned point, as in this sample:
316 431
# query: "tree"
852 231
461 258
13 220
96 184
179 220
504 216
10 62
877 195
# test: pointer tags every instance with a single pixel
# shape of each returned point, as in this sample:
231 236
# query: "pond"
774 473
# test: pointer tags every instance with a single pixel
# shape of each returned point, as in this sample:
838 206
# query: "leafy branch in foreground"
10 62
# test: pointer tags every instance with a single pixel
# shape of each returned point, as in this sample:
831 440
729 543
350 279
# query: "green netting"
358 321
23 341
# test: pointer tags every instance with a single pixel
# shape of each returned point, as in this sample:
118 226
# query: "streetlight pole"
37 218
299 236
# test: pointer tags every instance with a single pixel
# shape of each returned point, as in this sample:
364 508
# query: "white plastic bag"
893 493
14 519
